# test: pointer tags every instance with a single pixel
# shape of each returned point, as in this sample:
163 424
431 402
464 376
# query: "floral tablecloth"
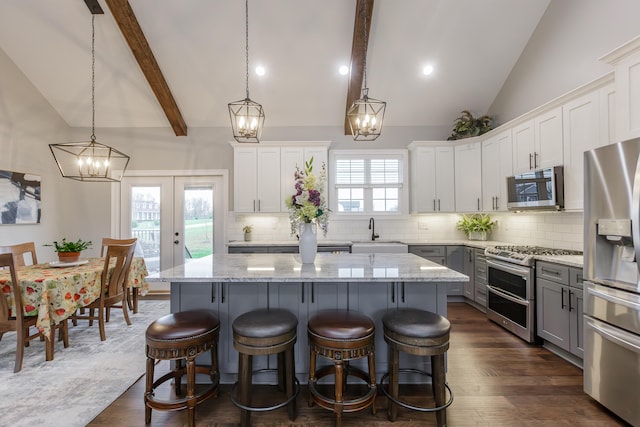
54 293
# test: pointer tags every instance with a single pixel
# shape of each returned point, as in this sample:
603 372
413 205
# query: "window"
369 182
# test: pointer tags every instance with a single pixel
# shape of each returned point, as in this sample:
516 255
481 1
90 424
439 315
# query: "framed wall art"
19 198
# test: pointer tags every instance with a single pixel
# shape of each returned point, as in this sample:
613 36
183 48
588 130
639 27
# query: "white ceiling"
199 46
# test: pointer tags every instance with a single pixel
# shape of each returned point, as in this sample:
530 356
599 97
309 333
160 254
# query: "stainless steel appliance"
541 189
611 287
511 287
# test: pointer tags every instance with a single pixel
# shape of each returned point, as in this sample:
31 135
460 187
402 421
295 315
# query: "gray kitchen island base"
231 285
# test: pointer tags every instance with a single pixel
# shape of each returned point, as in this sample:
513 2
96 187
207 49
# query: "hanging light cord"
364 48
93 79
246 44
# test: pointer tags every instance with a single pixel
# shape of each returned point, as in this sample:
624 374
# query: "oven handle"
509 268
507 296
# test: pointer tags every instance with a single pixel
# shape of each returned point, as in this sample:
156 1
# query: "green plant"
467 126
475 223
64 246
247 228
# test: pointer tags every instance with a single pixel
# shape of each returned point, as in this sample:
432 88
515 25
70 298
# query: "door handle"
438 205
562 299
530 156
175 242
434 205
535 159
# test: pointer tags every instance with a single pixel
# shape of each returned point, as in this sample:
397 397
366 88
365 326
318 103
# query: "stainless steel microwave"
541 189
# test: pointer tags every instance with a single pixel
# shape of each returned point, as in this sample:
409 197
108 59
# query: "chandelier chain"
364 47
93 78
246 44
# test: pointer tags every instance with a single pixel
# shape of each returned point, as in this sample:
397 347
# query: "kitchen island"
232 284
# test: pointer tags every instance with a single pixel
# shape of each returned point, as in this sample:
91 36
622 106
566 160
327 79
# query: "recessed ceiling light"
260 70
427 70
343 70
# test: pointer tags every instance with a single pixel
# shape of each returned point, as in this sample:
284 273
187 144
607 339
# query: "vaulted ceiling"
199 49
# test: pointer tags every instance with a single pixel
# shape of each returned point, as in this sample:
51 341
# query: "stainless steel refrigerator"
611 288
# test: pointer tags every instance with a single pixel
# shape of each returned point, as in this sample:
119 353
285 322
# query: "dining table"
54 291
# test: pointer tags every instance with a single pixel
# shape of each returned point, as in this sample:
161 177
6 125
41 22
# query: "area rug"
83 379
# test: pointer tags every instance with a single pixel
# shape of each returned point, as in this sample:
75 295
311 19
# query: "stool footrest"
264 408
407 405
350 405
182 403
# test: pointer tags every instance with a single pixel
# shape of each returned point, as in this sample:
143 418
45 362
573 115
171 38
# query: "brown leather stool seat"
421 333
341 336
265 332
182 337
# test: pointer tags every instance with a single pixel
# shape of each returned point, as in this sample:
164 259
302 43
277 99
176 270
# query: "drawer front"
248 249
575 277
554 272
428 251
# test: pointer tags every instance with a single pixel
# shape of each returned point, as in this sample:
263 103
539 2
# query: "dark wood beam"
128 23
357 56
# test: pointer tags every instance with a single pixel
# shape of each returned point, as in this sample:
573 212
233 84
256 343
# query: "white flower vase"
308 242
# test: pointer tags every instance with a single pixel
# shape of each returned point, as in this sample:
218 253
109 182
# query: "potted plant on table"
476 226
70 251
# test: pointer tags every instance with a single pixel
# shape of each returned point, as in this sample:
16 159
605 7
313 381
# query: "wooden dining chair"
113 294
132 293
21 324
19 252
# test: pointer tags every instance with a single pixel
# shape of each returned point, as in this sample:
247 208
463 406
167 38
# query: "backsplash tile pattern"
562 230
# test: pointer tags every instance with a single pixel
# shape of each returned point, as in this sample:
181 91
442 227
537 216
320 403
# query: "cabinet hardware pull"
547 271
213 292
438 205
393 292
303 292
535 159
254 205
562 299
478 203
222 293
530 167
259 206
497 203
570 308
313 293
434 205
402 285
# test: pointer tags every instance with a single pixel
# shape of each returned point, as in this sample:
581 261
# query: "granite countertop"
570 260
279 268
292 242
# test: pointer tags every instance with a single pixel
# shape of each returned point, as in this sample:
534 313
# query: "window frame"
403 187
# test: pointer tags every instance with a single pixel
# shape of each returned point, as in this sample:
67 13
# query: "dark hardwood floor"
497 380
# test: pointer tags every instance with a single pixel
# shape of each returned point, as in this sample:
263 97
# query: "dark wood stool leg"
372 377
244 385
312 374
339 395
290 370
148 388
281 372
439 393
191 391
178 378
393 382
214 366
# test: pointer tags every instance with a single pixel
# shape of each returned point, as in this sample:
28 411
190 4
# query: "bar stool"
182 337
265 332
341 336
421 333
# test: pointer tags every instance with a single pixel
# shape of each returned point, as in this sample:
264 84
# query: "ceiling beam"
358 52
128 23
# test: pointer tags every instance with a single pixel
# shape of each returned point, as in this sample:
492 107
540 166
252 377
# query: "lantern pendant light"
247 116
90 160
365 115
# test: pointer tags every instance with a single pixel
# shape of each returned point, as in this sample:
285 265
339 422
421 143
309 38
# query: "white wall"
28 124
563 52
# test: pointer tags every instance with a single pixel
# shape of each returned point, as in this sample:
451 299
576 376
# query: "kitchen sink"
385 247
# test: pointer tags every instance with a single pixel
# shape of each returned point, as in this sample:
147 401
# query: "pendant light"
366 114
247 116
89 160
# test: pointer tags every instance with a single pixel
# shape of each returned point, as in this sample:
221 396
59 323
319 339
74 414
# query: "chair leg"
17 367
244 384
372 377
312 374
49 345
392 413
101 321
439 393
125 311
339 395
290 370
191 390
148 389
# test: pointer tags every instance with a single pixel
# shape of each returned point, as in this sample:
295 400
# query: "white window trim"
403 191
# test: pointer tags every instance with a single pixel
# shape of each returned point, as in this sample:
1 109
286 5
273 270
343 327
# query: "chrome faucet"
372 227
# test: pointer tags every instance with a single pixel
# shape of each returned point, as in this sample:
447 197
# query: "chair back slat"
114 282
19 251
106 241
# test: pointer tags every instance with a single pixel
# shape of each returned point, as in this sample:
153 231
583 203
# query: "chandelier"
247 116
365 115
90 160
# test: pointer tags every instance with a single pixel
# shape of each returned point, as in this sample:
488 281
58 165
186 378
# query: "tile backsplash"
562 230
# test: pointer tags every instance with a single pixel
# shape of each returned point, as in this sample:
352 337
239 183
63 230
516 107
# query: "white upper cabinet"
497 154
468 177
432 178
292 156
256 182
626 60
537 143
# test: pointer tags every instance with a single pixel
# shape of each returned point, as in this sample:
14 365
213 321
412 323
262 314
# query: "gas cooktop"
524 255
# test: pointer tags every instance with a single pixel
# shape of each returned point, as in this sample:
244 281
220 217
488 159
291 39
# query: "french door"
175 218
